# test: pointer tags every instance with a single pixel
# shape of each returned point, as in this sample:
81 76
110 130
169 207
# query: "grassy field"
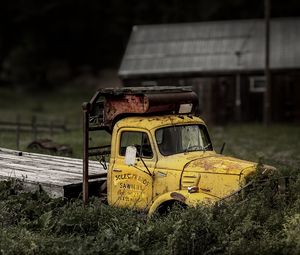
59 106
277 144
259 223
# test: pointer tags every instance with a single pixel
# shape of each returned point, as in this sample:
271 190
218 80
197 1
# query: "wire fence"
35 126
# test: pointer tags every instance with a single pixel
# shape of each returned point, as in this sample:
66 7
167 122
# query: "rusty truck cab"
109 106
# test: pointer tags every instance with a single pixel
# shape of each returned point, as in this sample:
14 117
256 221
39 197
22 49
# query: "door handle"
117 170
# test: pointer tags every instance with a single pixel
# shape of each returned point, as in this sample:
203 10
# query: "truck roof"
109 105
144 90
153 122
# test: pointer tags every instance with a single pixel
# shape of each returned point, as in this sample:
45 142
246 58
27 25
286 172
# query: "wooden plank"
53 173
48 164
40 176
42 157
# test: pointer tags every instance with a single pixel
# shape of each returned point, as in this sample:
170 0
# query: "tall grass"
258 223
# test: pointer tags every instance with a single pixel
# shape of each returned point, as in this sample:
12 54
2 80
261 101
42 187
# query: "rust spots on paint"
178 196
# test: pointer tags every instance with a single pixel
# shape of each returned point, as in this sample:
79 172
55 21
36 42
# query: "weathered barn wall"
218 95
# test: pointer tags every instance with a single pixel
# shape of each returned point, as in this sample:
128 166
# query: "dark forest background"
42 42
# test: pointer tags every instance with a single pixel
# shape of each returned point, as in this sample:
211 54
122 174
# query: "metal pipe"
18 129
267 94
238 98
85 181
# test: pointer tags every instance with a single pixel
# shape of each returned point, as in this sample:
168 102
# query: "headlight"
193 189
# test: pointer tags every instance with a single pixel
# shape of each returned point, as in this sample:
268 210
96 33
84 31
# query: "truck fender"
183 197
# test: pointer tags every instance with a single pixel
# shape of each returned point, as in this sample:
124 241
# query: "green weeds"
259 222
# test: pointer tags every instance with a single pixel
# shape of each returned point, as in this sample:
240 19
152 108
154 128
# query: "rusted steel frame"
141 90
99 150
99 153
172 100
99 147
146 103
183 97
85 181
95 128
97 176
115 106
95 97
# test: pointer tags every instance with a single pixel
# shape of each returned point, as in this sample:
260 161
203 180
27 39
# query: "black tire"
166 207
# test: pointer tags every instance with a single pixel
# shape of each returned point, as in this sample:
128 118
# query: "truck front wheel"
169 205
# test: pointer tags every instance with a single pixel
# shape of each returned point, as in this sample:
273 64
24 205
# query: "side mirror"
130 155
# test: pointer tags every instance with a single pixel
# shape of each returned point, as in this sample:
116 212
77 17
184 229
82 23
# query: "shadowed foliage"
257 222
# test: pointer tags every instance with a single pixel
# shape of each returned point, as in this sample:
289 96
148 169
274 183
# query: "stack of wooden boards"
58 176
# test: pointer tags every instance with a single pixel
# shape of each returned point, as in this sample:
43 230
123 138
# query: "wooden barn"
224 62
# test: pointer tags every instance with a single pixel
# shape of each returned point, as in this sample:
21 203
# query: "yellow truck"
160 151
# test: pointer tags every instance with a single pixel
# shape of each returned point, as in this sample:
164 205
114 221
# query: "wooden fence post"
18 131
34 127
65 125
51 128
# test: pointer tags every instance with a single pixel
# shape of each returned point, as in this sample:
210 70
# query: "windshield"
185 138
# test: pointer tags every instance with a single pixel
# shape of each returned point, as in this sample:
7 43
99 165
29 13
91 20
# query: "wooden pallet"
58 176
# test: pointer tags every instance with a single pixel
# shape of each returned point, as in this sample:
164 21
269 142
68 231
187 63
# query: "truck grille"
189 179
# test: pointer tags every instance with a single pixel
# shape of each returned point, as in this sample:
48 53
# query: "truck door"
131 186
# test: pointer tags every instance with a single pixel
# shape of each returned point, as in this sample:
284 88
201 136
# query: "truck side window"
140 140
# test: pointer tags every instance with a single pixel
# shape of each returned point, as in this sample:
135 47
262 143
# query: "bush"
259 222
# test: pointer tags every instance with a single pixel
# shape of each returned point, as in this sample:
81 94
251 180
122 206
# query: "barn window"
257 84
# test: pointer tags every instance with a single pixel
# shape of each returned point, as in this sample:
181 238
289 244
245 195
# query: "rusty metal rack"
109 105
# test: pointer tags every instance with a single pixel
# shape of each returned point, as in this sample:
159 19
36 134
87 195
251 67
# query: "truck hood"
207 161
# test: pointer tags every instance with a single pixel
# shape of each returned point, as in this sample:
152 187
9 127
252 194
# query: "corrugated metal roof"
220 46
